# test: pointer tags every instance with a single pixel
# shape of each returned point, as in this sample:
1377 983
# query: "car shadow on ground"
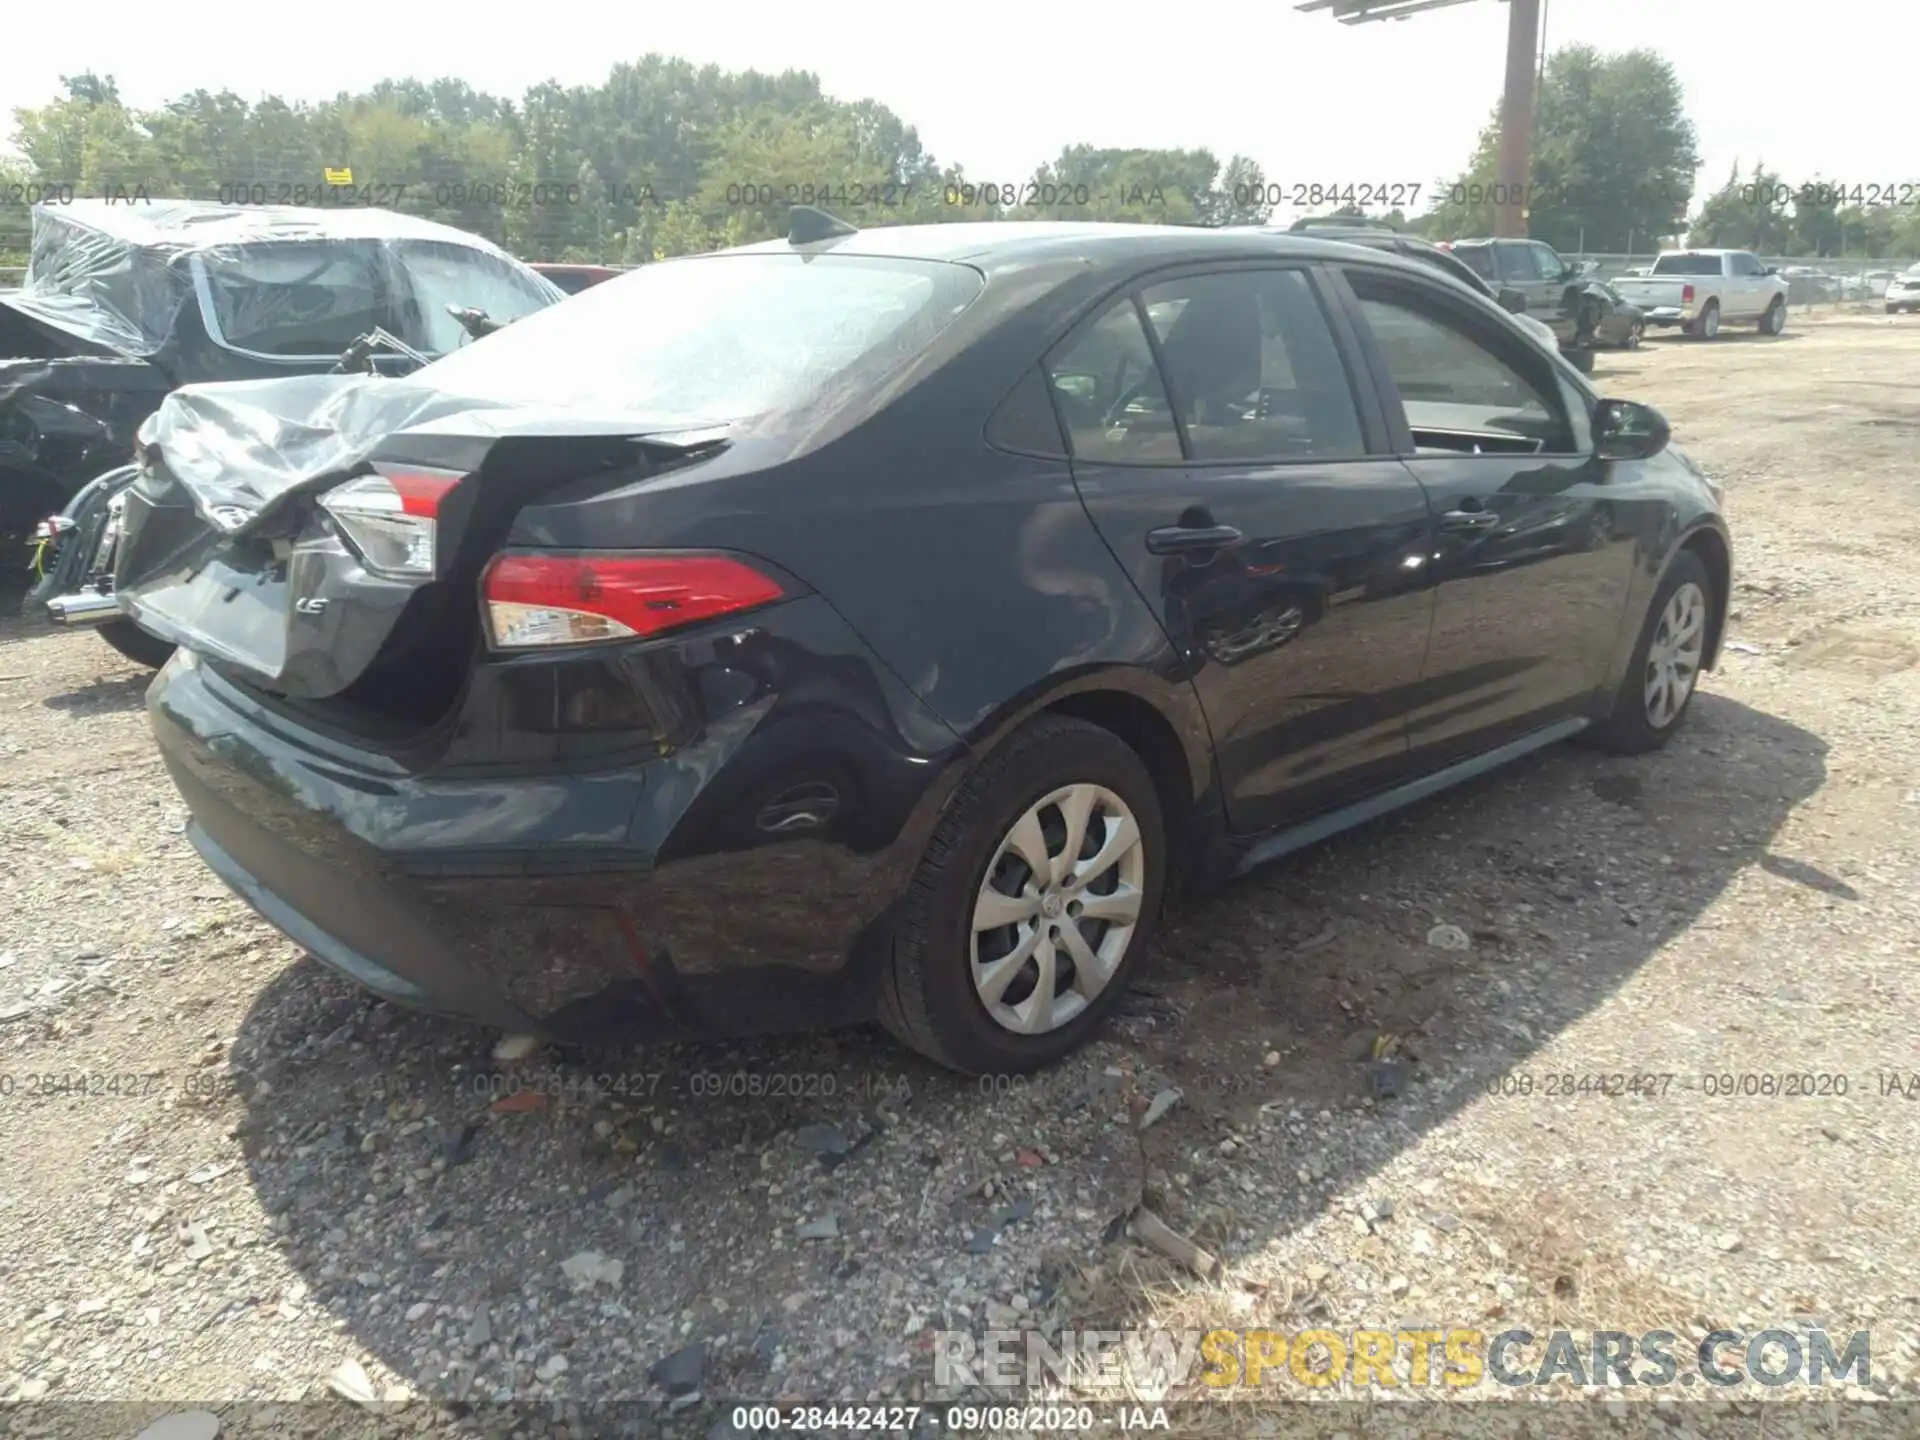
1729 334
429 1197
104 697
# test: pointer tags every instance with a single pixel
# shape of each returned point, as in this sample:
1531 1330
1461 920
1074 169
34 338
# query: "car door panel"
1533 548
1292 580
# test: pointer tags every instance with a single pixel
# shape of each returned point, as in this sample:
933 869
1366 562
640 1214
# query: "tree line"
666 158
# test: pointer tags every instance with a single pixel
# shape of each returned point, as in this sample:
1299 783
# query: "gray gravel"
270 1187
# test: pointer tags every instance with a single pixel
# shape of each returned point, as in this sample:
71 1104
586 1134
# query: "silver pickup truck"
1701 290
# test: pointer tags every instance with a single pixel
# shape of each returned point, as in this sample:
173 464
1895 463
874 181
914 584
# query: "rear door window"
1253 368
1517 263
1449 264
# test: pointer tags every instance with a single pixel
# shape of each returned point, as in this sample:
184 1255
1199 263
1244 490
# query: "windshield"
718 337
442 275
1687 265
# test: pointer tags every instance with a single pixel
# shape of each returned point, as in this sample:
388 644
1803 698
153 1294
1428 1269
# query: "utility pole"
1516 104
1516 117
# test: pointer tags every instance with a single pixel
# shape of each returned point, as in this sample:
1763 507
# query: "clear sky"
1000 86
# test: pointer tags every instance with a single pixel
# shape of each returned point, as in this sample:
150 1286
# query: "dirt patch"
1672 1061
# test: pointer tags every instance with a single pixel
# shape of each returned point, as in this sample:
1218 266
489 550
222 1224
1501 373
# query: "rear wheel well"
1712 550
1152 737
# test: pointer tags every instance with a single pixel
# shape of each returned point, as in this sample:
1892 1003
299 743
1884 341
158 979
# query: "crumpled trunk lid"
228 551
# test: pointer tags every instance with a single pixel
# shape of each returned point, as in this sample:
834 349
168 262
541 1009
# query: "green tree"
1816 228
1176 187
87 139
1613 157
1745 214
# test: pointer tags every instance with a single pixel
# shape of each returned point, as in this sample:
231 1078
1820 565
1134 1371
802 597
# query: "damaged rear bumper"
598 902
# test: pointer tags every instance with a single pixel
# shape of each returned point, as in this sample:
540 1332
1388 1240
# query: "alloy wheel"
1058 907
1636 332
1673 659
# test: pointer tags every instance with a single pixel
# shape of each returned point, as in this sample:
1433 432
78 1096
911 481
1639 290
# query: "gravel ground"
231 1178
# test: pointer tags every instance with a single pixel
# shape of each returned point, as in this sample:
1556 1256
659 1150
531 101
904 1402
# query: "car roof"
1374 237
992 245
183 226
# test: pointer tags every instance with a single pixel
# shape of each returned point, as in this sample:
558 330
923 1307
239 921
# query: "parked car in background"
1701 290
1380 235
1903 291
623 676
1623 324
1558 292
123 303
574 278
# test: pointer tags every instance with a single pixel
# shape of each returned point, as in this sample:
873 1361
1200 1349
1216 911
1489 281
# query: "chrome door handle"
1186 539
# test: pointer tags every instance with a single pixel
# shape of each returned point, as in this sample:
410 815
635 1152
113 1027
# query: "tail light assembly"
392 518
557 599
1686 294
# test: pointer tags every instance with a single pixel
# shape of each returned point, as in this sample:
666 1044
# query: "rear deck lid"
302 529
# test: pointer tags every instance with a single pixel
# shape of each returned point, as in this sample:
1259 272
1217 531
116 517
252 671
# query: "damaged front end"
64 420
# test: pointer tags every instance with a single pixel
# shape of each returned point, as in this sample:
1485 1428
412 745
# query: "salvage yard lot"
227 1172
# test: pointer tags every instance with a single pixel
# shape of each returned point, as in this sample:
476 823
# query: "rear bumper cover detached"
664 895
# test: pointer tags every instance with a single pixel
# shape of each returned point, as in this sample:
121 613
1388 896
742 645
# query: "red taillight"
1686 294
560 599
392 518
421 491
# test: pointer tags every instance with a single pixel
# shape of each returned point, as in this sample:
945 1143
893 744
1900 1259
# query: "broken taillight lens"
534 601
392 518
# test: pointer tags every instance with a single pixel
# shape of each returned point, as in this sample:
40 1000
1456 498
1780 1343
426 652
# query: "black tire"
927 995
1626 730
134 643
1698 329
1775 320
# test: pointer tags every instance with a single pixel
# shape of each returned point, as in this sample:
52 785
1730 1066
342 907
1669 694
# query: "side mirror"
1772 270
1626 430
1513 301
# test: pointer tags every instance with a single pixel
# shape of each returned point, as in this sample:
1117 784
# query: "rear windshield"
717 338
1687 265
